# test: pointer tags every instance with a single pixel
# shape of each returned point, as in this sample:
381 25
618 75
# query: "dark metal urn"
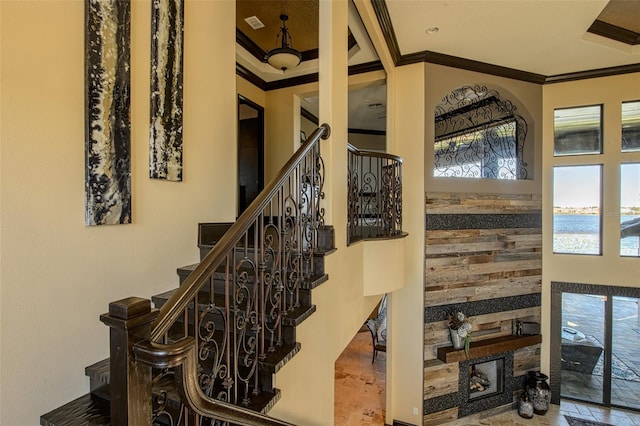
537 389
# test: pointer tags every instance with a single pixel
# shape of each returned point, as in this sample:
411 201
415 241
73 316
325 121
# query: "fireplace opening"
486 378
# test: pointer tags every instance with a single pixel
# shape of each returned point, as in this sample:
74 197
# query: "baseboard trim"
398 423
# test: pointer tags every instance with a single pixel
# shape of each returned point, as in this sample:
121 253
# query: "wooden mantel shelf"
488 347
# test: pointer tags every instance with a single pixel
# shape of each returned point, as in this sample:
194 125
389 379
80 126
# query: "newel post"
130 386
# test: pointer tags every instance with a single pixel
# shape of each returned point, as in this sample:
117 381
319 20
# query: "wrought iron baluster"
374 195
265 255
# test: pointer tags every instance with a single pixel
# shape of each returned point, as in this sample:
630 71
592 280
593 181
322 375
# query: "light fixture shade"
284 58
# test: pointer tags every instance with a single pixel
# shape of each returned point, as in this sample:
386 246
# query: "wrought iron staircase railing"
375 195
208 355
229 314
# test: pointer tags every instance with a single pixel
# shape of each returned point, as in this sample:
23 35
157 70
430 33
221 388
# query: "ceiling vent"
254 22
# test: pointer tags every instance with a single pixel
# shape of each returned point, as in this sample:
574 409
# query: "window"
576 209
479 135
631 126
577 130
630 209
485 152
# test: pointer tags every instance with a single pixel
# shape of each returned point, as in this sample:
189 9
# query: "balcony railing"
375 195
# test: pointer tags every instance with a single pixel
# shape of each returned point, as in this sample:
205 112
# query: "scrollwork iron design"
374 195
238 312
479 135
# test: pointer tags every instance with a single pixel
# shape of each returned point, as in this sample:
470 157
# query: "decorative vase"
456 339
525 406
537 389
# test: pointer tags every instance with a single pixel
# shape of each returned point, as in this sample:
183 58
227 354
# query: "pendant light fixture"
284 57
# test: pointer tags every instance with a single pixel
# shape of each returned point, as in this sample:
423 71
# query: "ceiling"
532 40
547 38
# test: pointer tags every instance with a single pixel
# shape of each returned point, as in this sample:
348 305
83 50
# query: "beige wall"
368 142
307 126
610 268
308 380
251 92
405 306
58 276
282 125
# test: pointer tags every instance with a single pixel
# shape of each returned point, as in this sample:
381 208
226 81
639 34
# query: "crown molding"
293 81
243 40
366 132
384 20
309 55
614 32
602 72
273 85
303 79
250 77
351 41
366 67
309 116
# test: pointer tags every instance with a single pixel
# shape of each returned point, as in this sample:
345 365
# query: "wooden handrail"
179 301
182 355
356 151
183 358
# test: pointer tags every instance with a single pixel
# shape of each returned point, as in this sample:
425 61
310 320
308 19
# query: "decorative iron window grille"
478 135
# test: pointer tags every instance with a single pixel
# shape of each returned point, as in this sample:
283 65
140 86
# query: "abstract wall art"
165 134
107 112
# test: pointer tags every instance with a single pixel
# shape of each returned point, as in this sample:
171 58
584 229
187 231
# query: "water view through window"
630 209
577 212
576 209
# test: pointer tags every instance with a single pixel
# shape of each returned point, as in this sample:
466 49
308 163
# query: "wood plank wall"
484 257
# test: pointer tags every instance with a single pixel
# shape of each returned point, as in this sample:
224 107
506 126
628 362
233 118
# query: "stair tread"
273 362
88 410
279 357
93 409
292 317
99 371
91 405
308 283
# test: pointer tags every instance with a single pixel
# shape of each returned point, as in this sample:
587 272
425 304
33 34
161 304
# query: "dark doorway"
250 152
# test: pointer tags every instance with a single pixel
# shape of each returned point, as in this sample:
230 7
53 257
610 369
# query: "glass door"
582 347
600 347
625 359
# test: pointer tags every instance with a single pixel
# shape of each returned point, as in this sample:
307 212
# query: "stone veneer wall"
484 257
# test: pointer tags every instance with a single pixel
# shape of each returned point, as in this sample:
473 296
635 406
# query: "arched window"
479 135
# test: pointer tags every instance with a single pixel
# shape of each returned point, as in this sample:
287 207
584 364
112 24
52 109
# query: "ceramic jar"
525 406
537 389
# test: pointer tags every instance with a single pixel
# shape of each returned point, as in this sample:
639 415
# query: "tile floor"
555 417
359 384
360 397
